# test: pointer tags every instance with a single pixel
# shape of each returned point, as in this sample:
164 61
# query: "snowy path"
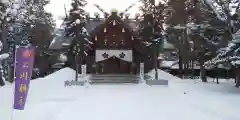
131 103
49 100
128 102
116 102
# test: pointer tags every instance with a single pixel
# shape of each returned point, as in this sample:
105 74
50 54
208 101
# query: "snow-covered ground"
48 99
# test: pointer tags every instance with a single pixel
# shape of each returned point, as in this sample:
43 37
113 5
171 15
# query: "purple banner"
24 59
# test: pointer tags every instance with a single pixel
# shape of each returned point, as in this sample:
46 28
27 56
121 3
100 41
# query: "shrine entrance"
113 62
113 65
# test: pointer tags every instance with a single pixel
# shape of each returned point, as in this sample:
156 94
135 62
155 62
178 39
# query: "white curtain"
125 55
99 55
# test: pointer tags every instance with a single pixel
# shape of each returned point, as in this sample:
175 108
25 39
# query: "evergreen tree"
200 26
76 12
3 7
213 33
8 11
24 16
226 10
228 56
177 21
41 35
152 28
75 28
18 18
199 17
43 24
40 14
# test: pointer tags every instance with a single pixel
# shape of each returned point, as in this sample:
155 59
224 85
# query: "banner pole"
12 104
14 80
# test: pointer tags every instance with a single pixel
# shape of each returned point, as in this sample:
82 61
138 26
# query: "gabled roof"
93 26
59 41
133 24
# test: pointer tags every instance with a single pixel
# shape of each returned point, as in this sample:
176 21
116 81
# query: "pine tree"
3 7
228 56
211 33
23 16
152 29
76 12
40 14
41 34
226 12
43 24
177 20
199 16
200 26
75 28
29 13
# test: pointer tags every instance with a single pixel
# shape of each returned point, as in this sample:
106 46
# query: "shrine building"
116 48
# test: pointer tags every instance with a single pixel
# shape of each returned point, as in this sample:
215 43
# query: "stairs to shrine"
114 78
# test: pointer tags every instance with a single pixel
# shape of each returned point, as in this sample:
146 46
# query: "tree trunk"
1 80
202 69
155 65
216 74
80 65
237 77
11 73
192 69
180 65
77 67
2 83
6 47
235 73
4 36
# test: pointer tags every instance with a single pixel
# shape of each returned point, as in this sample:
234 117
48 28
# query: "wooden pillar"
96 68
102 68
132 68
141 70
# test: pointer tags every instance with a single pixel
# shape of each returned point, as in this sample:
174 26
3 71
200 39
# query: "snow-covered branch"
4 56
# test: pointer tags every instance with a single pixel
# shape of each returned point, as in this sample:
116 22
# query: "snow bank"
163 75
50 88
62 75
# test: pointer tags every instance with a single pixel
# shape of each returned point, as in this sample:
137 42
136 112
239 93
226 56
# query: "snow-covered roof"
92 24
174 65
58 42
167 45
168 64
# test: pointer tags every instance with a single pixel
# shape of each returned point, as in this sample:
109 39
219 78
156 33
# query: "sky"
57 7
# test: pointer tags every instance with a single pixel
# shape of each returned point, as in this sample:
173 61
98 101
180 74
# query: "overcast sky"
57 6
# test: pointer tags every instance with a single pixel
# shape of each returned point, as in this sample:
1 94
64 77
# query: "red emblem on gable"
27 54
